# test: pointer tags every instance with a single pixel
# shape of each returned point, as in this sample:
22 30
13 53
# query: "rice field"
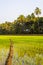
28 50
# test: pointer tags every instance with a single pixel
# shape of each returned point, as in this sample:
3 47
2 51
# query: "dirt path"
10 55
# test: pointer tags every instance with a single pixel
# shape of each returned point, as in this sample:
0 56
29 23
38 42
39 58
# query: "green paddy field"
21 40
28 48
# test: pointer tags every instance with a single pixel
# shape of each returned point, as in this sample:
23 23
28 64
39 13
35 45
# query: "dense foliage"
30 24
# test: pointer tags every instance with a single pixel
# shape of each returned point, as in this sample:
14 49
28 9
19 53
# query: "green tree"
37 11
21 18
28 18
33 17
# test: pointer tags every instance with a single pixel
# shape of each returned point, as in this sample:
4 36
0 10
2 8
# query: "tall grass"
28 50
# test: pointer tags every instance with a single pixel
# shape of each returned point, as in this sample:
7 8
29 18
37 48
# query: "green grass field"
22 42
26 40
29 45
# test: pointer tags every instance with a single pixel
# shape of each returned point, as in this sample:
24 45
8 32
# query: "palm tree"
37 11
33 17
21 18
28 18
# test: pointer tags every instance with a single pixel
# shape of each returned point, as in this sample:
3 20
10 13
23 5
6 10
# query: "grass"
22 42
26 40
27 49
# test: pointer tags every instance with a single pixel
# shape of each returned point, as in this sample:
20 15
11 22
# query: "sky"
11 9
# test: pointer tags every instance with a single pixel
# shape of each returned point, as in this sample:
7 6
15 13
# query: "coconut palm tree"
37 11
21 18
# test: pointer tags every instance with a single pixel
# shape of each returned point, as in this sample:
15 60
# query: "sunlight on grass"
27 49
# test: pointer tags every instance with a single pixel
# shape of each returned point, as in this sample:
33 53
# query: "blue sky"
11 9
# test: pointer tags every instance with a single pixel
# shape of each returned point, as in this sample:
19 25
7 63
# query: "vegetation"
28 50
31 24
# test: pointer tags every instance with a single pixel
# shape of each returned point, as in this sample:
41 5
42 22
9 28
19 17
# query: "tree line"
31 24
